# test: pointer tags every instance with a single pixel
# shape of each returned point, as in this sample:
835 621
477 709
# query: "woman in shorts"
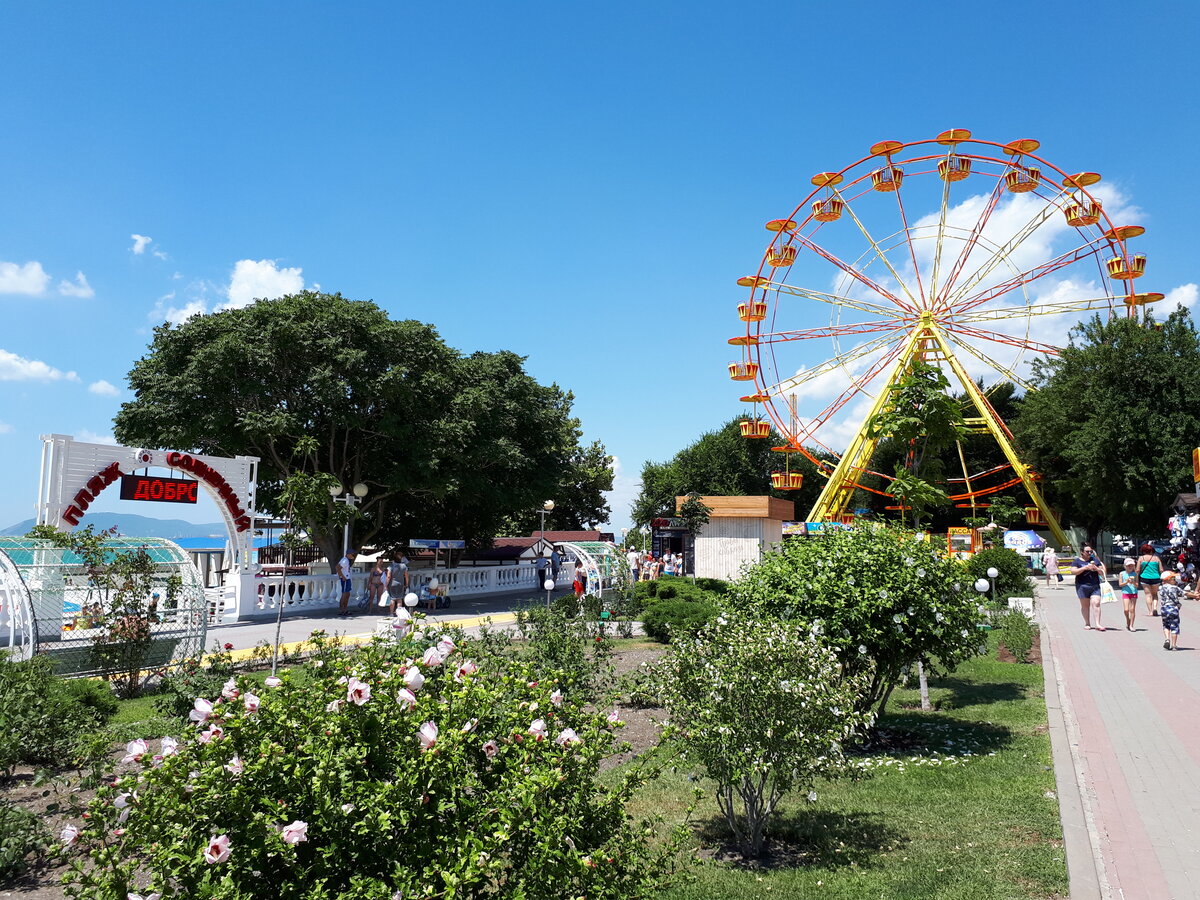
1149 573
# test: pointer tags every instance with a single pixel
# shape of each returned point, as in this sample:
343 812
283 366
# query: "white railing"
303 593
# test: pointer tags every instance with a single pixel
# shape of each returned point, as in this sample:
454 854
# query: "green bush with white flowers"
882 598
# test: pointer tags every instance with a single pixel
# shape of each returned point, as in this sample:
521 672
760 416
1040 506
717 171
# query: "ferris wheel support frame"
924 340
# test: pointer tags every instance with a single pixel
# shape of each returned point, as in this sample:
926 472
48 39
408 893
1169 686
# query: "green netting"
68 607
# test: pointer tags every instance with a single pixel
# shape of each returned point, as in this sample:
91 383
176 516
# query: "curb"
1081 841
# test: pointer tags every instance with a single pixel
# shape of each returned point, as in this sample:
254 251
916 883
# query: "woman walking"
1088 572
1149 574
1050 564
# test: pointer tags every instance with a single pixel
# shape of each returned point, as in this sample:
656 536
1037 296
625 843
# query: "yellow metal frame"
927 340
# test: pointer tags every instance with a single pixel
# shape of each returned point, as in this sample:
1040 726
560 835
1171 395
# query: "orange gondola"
752 312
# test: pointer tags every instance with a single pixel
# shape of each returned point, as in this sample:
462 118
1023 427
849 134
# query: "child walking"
1127 580
1170 597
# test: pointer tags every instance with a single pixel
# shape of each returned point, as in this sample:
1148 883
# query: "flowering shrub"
881 598
764 707
401 769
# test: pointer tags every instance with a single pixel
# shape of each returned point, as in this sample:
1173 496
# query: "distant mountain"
139 526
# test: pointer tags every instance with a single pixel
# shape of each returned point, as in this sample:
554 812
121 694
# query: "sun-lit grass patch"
953 803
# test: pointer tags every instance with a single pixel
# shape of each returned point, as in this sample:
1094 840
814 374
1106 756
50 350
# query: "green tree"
922 417
722 463
449 445
579 501
1114 420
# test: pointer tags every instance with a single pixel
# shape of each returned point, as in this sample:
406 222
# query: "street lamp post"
993 573
351 498
547 507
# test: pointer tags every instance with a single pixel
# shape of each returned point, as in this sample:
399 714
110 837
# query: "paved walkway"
466 613
1125 722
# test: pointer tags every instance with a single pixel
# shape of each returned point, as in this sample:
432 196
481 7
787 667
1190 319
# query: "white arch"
16 612
600 560
75 472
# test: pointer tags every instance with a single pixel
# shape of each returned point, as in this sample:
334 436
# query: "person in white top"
635 563
1050 564
343 568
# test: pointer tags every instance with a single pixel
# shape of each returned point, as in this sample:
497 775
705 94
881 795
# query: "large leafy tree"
327 390
722 463
579 501
1113 422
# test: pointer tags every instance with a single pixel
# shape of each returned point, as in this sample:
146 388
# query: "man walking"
343 568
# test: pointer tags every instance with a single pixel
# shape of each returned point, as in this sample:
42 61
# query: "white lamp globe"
993 572
548 585
433 582
410 599
982 585
360 490
335 489
548 506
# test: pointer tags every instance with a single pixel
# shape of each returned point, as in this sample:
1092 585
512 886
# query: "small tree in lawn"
764 707
126 604
883 599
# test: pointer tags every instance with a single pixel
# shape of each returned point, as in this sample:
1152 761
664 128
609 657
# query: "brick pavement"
1131 725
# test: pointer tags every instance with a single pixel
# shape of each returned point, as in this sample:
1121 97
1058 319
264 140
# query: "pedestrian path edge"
1080 840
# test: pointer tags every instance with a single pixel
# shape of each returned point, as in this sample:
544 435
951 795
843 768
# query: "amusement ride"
967 280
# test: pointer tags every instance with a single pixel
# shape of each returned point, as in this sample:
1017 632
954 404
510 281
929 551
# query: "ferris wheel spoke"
972 240
853 389
1004 370
828 331
999 337
1027 276
912 251
941 236
1037 309
1002 253
852 271
835 362
835 299
881 255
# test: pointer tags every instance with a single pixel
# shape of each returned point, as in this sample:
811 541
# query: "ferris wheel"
964 253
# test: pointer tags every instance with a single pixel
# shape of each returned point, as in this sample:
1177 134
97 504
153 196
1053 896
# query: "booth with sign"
960 541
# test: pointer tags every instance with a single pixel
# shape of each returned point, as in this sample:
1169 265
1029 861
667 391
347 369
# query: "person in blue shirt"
1088 571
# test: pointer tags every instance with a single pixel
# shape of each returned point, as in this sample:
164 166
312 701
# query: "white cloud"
263 279
1185 296
166 310
160 254
5 428
92 437
18 368
77 288
30 278
103 388
140 242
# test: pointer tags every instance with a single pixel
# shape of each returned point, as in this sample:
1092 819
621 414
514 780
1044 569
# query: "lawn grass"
977 827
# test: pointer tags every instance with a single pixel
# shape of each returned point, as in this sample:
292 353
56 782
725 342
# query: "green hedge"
669 618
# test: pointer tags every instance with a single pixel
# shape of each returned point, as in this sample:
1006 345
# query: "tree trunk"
924 685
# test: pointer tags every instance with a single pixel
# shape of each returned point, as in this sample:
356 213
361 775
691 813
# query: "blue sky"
579 184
